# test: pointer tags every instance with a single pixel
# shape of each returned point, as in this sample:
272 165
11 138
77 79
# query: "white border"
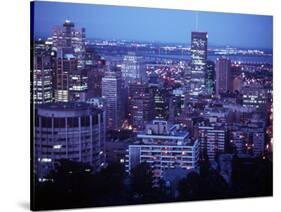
14 76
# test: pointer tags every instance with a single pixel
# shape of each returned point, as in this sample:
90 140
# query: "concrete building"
72 131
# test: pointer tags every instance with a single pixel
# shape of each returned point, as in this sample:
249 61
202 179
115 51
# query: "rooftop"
67 106
162 130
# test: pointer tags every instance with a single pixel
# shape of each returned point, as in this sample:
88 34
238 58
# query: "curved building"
73 131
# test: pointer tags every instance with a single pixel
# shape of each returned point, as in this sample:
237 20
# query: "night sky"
163 25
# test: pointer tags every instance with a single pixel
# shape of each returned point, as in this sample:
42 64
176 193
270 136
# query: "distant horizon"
106 22
210 45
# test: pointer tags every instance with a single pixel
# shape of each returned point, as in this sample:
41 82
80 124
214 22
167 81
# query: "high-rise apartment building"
163 147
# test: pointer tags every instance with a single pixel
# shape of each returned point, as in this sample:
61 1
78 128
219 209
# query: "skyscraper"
111 91
199 43
70 78
69 36
223 76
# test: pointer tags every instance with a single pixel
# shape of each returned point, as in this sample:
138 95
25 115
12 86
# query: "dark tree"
141 179
189 187
208 184
69 186
252 177
75 185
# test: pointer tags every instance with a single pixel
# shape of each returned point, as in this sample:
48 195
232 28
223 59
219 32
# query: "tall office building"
112 92
72 131
70 81
199 48
42 74
69 36
223 76
132 68
163 147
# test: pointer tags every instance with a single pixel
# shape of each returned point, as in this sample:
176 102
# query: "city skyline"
130 122
143 24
